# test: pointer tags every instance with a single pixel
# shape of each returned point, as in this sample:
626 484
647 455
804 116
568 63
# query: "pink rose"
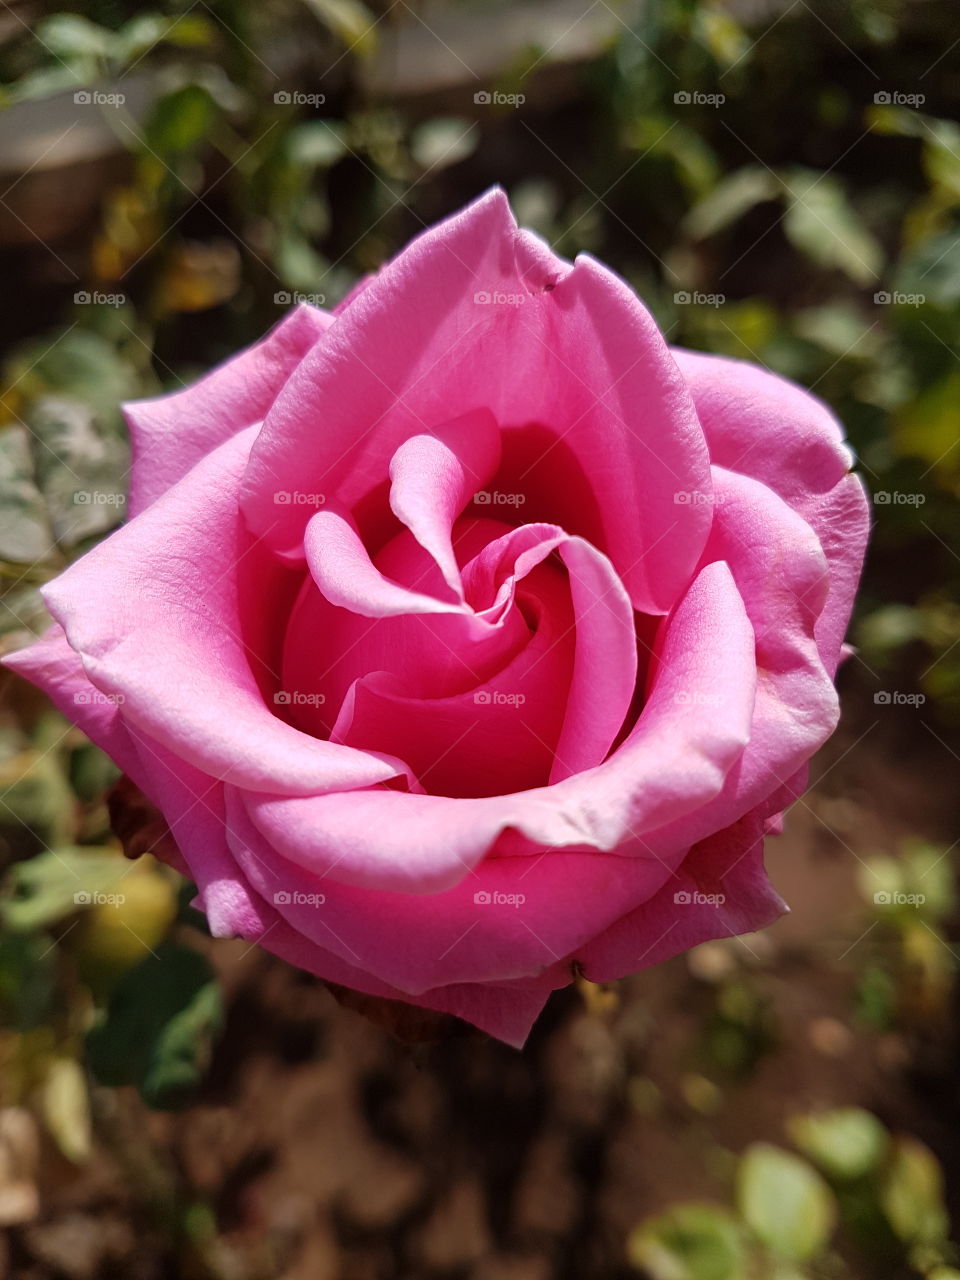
470 637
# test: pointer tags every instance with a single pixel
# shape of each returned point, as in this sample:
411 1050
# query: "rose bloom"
469 638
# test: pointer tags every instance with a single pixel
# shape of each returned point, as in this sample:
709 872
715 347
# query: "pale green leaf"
785 1202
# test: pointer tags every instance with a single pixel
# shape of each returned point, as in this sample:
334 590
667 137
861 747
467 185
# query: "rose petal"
685 912
675 761
171 433
763 426
434 476
573 357
154 613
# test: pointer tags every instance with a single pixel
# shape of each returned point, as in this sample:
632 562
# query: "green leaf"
27 978
729 201
316 144
689 1242
80 468
932 269
839 328
159 1028
149 29
25 533
437 143
65 1103
180 120
846 1143
350 20
821 223
927 427
68 35
931 873
298 264
36 793
77 365
912 1194
785 1201
58 882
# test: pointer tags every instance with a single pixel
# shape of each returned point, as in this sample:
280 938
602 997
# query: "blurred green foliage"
793 1216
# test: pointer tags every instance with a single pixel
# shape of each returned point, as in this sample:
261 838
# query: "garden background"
779 181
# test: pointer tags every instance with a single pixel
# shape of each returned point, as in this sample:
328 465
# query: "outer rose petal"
728 866
842 521
171 433
782 576
56 668
154 611
763 426
563 370
506 1010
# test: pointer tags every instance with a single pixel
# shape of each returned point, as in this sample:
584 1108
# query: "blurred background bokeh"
780 181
